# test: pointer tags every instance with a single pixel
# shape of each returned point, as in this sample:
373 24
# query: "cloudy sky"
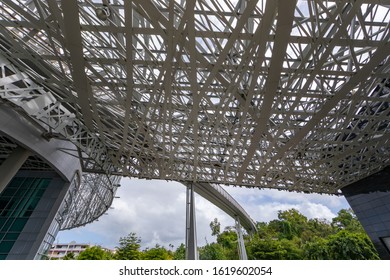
155 211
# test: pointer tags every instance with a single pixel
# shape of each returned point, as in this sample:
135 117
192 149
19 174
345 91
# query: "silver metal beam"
191 237
247 93
75 47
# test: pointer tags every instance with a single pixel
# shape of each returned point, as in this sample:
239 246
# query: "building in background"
60 250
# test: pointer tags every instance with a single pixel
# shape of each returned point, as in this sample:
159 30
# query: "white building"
60 250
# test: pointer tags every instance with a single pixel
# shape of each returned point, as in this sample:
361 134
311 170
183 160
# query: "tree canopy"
95 253
292 236
129 248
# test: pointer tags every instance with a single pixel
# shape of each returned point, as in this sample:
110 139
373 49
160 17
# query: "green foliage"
262 229
316 228
346 245
228 241
290 237
69 256
293 216
293 236
213 251
347 220
180 253
316 249
274 249
157 253
129 248
215 227
95 253
292 222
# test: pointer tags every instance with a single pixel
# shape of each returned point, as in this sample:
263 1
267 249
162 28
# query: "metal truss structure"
89 197
284 94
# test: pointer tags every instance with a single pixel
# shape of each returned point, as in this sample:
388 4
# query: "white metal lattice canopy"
279 94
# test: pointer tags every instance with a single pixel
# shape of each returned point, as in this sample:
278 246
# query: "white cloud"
263 205
155 211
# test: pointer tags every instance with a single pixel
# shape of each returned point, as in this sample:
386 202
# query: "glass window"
18 224
11 236
6 246
17 203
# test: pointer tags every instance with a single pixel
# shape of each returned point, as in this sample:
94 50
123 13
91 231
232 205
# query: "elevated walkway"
223 200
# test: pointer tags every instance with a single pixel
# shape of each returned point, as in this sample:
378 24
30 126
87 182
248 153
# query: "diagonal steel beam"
129 75
285 19
74 43
382 53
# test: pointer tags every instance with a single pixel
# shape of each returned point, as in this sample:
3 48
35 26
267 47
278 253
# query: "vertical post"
11 166
191 244
240 239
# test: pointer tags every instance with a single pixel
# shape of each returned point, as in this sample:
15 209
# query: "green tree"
316 249
293 236
69 256
180 253
275 229
157 253
346 219
213 251
316 228
95 253
274 249
228 240
129 248
293 223
215 227
346 245
262 230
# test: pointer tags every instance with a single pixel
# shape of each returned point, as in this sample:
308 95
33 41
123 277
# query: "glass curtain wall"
17 203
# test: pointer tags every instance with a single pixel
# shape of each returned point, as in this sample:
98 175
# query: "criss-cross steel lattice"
279 94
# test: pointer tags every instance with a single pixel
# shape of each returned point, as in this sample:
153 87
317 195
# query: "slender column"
240 239
11 166
191 244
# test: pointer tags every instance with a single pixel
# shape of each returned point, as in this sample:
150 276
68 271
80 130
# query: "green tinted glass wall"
17 203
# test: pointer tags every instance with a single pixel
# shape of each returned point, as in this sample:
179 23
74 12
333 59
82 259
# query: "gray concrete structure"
42 188
33 191
11 166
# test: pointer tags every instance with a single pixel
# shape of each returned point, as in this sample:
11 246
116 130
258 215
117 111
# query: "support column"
191 244
369 198
240 239
11 166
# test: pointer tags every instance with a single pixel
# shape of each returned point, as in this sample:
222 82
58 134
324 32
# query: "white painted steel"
291 95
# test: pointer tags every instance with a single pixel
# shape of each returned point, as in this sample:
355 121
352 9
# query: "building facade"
42 188
60 250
